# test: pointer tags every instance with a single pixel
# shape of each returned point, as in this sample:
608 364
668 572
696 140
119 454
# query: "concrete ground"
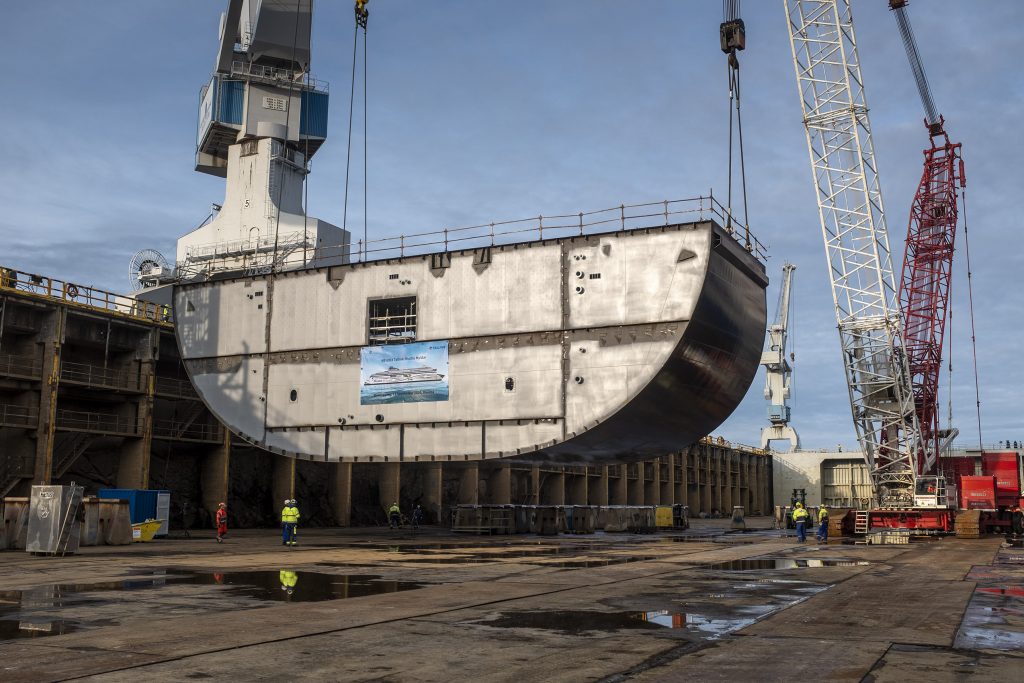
374 605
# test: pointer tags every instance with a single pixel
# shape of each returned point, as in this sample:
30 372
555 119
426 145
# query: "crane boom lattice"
928 260
845 177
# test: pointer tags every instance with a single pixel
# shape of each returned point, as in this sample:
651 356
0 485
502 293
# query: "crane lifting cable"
733 38
362 15
928 259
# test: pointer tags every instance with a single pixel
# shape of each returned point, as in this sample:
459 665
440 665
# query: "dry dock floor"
380 605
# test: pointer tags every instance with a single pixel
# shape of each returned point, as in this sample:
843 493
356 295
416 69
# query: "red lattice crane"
928 260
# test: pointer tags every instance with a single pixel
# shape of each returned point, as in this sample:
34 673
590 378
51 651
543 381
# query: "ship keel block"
596 348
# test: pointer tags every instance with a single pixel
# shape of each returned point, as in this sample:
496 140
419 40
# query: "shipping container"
142 503
1004 467
978 493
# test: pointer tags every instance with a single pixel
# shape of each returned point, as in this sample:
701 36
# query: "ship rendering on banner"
595 337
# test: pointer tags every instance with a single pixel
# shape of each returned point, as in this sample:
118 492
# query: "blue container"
141 502
313 121
231 102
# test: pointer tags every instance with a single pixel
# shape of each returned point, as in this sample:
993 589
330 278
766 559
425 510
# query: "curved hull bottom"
700 385
593 350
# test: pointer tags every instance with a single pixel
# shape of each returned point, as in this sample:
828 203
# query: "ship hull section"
595 348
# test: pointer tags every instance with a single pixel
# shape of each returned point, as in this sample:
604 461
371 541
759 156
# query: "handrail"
11 414
178 429
25 366
721 441
86 373
82 295
623 217
278 76
171 386
986 447
96 422
294 250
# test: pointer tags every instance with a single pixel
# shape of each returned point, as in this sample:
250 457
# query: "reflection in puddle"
578 622
569 622
994 619
575 558
708 628
33 628
290 586
42 611
784 563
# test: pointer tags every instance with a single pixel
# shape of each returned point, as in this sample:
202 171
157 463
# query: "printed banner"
403 373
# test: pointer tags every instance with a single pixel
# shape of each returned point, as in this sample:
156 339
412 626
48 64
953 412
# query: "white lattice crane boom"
845 177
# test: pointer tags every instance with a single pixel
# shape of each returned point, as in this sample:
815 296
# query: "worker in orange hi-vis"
222 522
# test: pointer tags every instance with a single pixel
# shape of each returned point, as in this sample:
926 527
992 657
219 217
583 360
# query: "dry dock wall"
92 390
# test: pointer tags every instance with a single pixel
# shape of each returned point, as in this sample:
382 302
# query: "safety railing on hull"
82 295
621 218
295 250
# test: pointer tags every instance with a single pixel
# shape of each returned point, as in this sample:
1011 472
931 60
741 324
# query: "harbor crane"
778 371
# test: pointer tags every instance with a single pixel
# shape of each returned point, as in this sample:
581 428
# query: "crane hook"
362 14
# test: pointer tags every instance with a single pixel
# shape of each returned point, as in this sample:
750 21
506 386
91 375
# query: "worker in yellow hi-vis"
823 524
288 580
800 519
289 520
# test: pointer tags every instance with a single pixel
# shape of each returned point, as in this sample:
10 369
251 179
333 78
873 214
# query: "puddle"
289 586
584 622
575 557
783 563
63 608
571 622
994 619
33 628
584 564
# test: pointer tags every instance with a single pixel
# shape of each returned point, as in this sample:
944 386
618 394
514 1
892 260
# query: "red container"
978 493
1004 467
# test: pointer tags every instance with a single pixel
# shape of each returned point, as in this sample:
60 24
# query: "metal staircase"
860 523
69 450
14 468
196 409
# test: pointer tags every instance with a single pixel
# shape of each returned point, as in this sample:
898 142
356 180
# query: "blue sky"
485 110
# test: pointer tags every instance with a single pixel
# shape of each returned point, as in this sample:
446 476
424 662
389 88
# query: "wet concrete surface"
785 563
369 605
57 609
994 620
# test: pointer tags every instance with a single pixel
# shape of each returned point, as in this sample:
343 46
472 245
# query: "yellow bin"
663 516
144 531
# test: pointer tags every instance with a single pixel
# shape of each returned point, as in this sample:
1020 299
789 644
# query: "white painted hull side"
649 355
